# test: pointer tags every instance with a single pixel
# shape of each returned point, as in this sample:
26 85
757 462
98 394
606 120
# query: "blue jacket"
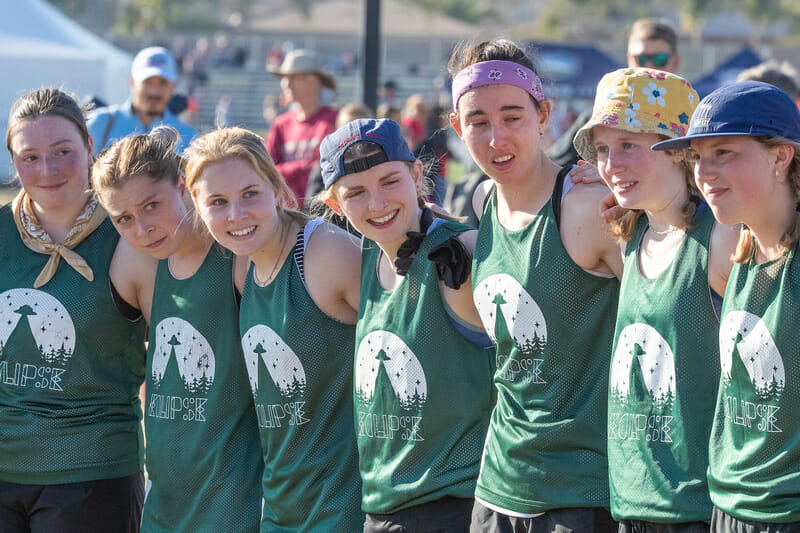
127 123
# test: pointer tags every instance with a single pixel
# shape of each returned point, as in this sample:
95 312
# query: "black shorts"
722 522
102 506
640 526
445 515
572 520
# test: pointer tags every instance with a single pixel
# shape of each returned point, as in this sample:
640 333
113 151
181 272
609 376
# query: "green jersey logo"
37 339
753 375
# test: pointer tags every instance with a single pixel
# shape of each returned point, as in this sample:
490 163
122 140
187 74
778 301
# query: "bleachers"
247 91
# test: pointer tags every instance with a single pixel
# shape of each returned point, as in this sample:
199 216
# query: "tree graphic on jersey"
22 336
293 390
741 385
639 392
530 347
385 398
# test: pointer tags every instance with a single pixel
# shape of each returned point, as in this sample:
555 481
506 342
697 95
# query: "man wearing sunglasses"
653 43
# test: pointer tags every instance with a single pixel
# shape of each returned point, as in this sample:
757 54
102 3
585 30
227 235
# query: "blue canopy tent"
726 72
571 70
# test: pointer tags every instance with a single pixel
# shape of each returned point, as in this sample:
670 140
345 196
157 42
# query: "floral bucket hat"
639 100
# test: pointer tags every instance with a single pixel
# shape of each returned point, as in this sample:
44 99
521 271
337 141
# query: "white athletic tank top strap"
299 250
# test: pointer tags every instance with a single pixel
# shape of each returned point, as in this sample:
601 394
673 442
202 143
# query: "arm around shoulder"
332 270
585 234
134 275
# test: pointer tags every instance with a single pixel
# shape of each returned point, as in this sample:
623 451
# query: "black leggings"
102 506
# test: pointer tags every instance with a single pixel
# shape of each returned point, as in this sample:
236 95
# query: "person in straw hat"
294 138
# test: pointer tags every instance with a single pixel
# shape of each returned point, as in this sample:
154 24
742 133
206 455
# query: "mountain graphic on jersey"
642 369
182 354
32 322
389 377
752 366
510 315
282 365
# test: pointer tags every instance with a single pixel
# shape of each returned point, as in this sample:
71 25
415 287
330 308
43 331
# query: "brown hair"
622 228
744 250
468 53
226 144
654 29
151 155
46 102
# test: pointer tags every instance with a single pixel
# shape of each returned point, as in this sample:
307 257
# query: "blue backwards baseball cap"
383 133
746 108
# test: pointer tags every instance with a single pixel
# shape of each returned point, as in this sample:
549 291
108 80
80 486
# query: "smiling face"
639 177
381 202
52 162
150 215
237 205
736 175
501 126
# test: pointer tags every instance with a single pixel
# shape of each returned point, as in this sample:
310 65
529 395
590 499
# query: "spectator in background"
154 74
294 138
348 113
781 75
415 118
653 43
388 93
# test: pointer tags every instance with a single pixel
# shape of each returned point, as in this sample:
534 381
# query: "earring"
541 133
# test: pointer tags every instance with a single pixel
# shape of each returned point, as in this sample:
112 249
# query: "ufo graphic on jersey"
510 315
388 375
179 346
263 350
643 367
33 321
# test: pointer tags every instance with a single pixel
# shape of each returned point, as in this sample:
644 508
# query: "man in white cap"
153 77
294 138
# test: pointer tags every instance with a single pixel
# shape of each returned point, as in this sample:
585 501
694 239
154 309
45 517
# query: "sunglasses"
658 60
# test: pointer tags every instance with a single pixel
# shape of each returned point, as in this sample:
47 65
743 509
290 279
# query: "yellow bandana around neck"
35 237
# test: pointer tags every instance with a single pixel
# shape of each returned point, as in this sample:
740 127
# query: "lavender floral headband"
491 72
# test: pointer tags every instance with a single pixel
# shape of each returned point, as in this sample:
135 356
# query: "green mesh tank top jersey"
423 392
552 323
203 451
660 402
300 365
754 471
70 367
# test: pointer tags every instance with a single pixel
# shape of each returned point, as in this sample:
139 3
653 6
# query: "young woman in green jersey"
677 261
71 338
744 142
297 316
419 344
203 452
544 284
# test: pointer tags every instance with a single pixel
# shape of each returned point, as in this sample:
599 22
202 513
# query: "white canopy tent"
40 47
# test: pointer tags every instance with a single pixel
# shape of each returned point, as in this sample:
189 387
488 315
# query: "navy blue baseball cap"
383 133
745 108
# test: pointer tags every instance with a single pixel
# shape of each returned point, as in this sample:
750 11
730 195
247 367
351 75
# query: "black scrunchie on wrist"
408 250
453 262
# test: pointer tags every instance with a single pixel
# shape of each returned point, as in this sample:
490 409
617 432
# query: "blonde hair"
227 144
150 155
746 246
